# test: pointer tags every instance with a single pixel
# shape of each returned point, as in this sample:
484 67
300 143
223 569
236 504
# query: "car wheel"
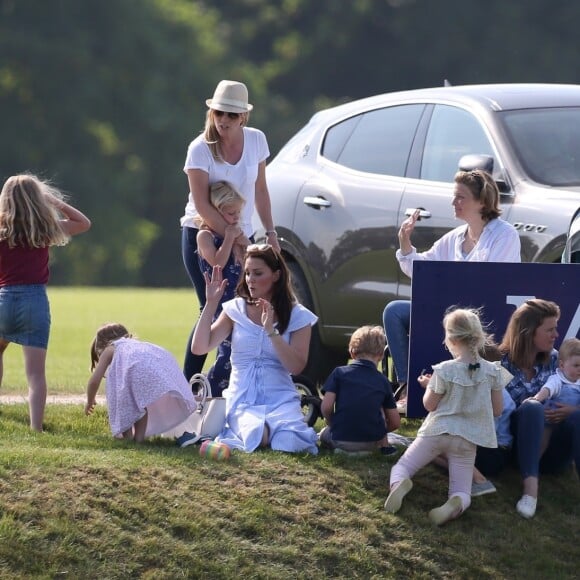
321 359
309 399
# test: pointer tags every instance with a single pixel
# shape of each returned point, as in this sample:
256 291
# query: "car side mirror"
471 162
485 163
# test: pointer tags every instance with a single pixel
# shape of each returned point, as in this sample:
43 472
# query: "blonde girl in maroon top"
33 217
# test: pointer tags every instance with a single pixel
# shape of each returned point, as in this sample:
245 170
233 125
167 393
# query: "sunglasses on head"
259 248
263 248
478 178
221 113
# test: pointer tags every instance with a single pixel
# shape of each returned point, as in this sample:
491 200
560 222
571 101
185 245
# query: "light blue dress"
261 390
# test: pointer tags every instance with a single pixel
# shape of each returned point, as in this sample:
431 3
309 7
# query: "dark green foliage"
104 96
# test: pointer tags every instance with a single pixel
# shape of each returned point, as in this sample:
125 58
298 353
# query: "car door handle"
423 213
317 202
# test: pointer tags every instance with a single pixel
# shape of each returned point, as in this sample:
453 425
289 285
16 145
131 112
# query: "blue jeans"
491 461
528 427
396 321
25 315
193 363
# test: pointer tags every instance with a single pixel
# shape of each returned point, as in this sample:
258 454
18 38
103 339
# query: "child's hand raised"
57 202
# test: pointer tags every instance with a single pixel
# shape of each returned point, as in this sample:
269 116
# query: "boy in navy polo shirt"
358 402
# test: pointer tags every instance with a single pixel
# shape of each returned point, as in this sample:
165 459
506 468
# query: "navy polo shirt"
362 391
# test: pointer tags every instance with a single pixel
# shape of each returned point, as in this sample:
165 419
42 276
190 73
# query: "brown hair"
367 342
518 340
283 297
106 334
569 348
484 189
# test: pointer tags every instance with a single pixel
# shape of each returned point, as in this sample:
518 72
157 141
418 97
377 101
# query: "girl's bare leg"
3 346
128 434
35 365
140 428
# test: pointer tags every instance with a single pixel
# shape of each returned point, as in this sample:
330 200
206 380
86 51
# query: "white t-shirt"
499 242
242 175
559 380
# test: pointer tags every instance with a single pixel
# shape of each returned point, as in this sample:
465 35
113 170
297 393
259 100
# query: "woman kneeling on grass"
147 393
270 340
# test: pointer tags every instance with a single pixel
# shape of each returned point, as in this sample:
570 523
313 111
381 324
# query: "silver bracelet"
271 233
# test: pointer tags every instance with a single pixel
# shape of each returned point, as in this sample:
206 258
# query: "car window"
547 142
375 142
452 133
337 136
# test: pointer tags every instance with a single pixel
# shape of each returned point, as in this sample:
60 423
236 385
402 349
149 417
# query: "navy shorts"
25 315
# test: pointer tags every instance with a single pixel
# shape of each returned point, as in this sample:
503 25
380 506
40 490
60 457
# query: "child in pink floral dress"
147 393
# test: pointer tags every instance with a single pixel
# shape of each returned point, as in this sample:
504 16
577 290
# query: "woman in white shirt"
485 238
227 150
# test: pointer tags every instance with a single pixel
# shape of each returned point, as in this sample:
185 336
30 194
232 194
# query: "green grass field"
162 316
76 503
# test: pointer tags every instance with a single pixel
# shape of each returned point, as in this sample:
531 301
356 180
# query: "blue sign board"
497 288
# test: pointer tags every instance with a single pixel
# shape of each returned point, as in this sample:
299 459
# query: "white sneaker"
450 510
395 499
526 507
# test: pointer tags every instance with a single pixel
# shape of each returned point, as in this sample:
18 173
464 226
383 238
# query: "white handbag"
210 416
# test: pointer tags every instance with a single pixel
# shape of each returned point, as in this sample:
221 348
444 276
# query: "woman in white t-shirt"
227 150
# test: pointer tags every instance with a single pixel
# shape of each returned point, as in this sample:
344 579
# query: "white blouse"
499 242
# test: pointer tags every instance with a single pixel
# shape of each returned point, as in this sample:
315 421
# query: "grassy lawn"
75 503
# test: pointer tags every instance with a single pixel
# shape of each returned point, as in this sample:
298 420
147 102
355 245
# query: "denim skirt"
25 315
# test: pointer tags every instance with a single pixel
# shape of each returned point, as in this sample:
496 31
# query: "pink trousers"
460 455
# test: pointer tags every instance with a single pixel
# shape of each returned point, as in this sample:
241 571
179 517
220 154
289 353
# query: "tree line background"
103 96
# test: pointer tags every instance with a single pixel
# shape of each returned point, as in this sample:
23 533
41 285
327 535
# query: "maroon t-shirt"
21 265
